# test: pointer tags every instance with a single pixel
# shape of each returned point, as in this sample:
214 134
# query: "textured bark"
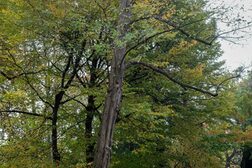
113 98
109 115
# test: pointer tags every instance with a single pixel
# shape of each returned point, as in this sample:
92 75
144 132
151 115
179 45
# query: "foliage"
53 48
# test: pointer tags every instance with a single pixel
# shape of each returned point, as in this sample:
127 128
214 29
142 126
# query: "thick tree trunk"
113 98
54 144
109 115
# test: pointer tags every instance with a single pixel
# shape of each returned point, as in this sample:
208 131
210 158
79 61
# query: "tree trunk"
91 108
109 116
54 144
113 98
229 158
246 158
89 128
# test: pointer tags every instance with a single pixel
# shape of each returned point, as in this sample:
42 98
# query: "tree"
167 24
244 119
64 53
67 58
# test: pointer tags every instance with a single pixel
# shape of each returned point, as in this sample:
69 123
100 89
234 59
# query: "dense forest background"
121 84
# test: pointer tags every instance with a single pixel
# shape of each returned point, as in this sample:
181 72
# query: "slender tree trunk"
229 158
91 108
113 98
54 144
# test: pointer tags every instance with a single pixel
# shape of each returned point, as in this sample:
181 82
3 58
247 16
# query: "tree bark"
113 98
109 115
54 135
229 158
246 158
89 128
91 108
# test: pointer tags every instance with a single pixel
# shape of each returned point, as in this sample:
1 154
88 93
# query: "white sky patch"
239 54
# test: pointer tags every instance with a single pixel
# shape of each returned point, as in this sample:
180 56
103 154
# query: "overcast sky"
238 54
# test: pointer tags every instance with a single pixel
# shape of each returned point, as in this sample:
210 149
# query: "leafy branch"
181 84
25 112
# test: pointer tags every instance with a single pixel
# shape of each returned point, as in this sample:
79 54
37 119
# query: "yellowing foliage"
182 47
57 11
18 95
195 73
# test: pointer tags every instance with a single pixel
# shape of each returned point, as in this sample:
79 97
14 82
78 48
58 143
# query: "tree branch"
163 72
142 42
76 100
25 112
177 27
19 75
37 93
70 57
225 80
69 99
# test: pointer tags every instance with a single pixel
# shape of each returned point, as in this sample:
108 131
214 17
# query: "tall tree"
113 98
63 53
163 22
244 118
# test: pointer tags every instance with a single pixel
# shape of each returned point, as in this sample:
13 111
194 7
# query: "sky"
236 55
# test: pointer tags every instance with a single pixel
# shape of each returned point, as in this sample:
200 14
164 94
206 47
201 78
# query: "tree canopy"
129 83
